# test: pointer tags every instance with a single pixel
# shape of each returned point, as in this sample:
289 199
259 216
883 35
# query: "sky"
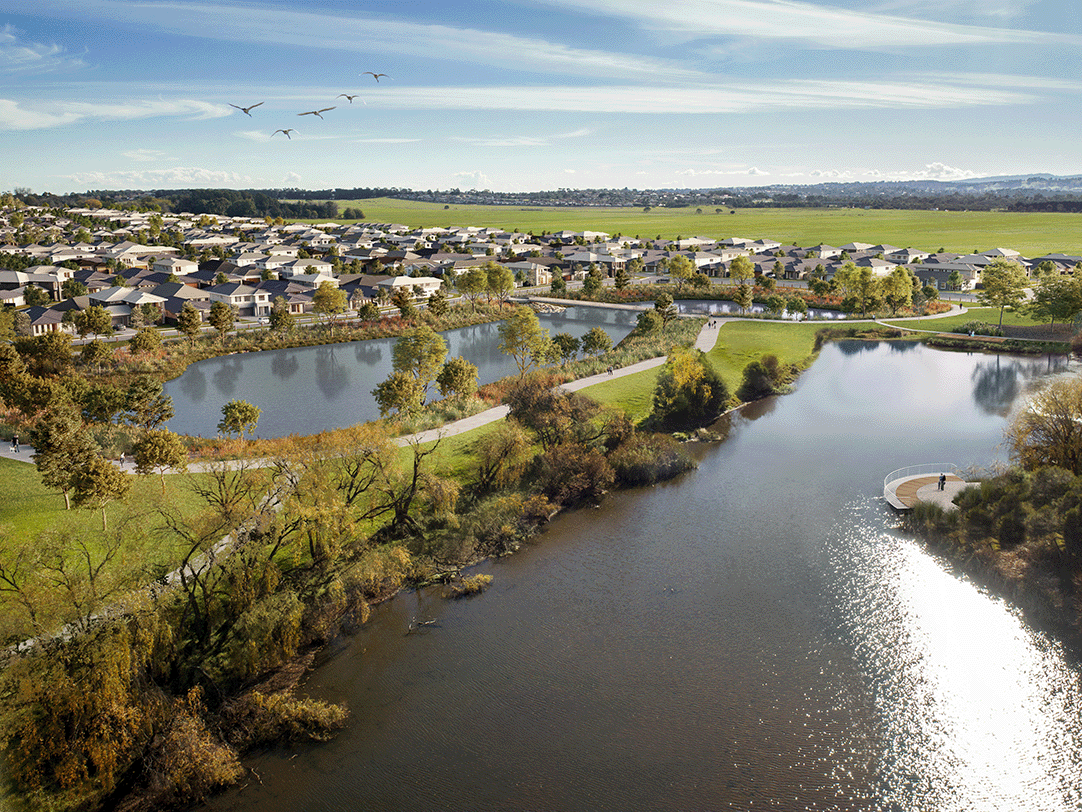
523 95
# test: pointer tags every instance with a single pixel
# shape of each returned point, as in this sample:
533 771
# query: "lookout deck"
904 488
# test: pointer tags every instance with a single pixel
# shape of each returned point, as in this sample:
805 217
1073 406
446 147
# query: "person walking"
942 482
15 443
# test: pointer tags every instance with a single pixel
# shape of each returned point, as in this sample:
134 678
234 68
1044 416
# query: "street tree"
594 281
523 338
472 283
239 417
741 270
558 284
221 318
329 302
1003 285
190 322
499 281
93 321
897 289
280 320
437 303
681 269
36 296
70 288
158 451
402 298
622 277
146 341
955 280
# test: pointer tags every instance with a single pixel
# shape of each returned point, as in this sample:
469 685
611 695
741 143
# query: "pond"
312 389
754 634
713 307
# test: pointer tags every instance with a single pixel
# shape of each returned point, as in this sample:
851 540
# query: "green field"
989 315
1031 233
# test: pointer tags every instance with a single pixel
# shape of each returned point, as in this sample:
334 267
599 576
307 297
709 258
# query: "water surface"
754 634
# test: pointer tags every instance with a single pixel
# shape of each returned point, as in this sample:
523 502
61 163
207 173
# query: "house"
174 265
247 300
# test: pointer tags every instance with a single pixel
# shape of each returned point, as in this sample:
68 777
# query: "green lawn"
1031 233
633 393
989 315
740 342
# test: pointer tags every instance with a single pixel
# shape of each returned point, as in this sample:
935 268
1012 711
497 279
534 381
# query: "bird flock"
318 113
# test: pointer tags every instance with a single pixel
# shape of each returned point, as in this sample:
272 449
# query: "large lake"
752 635
313 389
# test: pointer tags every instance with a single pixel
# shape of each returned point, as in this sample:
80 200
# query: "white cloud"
151 178
371 35
292 177
757 171
830 174
820 25
473 180
523 140
15 116
144 155
17 55
940 171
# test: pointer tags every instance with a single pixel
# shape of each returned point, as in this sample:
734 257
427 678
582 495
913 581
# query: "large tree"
1049 430
61 444
689 392
681 269
190 322
98 482
472 283
1003 285
1056 297
221 318
457 378
499 281
158 451
146 403
741 270
239 417
522 337
329 302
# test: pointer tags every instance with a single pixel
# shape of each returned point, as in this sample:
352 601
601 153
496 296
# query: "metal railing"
915 470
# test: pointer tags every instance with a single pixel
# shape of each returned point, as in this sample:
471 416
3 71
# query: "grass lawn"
633 393
989 315
27 507
740 342
1031 233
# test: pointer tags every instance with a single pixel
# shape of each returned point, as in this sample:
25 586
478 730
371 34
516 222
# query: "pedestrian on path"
15 443
942 482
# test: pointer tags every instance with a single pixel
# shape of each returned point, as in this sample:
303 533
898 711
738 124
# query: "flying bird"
374 75
286 133
351 98
316 112
246 110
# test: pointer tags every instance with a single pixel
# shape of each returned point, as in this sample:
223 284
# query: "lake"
312 389
753 634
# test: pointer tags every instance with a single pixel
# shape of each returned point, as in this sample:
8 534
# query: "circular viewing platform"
904 488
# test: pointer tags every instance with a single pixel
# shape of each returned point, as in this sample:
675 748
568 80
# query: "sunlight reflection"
977 710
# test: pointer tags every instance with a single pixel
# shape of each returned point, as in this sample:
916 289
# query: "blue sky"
534 94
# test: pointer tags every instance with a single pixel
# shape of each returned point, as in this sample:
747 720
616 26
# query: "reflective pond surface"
313 389
752 635
712 307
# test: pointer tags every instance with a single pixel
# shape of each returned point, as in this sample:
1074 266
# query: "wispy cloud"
822 25
16 115
19 55
144 155
354 33
156 177
523 140
761 97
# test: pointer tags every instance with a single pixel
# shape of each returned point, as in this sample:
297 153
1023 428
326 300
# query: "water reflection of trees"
225 377
995 385
193 383
903 346
852 347
331 377
284 365
368 352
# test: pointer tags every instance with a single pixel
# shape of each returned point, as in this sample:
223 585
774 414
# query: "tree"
775 304
522 337
369 312
649 321
190 323
558 285
741 269
146 403
593 283
159 450
420 353
437 303
329 302
60 444
94 320
472 283
622 277
221 318
689 392
95 353
98 482
566 345
402 298
954 280
1003 285
596 341
280 320
457 378
858 284
898 289
681 269
35 296
499 281
1056 297
758 382
239 417
70 288
400 392
7 324
665 307
1049 430
146 341
743 297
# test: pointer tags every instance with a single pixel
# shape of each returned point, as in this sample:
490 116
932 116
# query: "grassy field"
989 315
741 342
27 507
1031 233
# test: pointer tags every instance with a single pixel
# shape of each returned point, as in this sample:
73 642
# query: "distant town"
53 261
